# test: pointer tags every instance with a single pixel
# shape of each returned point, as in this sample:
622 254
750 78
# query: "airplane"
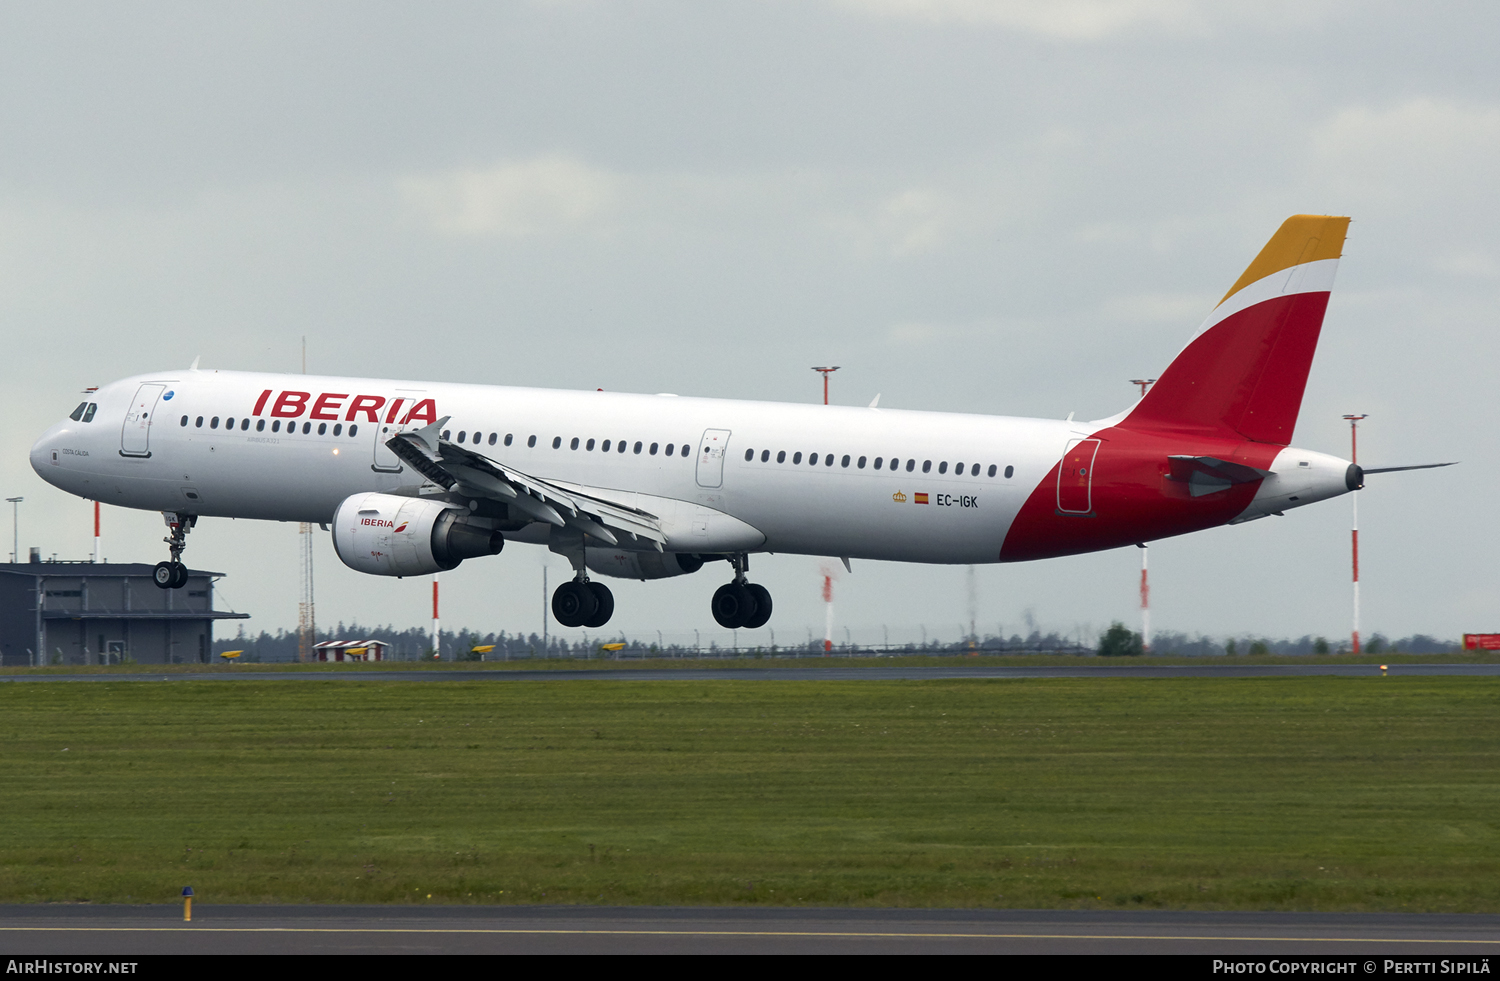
414 477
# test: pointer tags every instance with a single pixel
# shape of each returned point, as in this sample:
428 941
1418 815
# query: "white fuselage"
846 508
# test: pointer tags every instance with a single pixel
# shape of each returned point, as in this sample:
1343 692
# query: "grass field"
1307 793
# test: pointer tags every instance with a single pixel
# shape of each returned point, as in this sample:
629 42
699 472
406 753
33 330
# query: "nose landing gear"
173 574
740 603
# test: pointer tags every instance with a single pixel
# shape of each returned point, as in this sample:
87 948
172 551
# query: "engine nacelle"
640 565
386 535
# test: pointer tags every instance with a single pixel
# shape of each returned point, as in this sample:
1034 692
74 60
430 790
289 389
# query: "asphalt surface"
830 673
145 930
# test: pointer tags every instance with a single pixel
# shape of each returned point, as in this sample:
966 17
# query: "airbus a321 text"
415 477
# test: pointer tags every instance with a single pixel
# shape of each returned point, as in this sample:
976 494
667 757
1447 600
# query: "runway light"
187 904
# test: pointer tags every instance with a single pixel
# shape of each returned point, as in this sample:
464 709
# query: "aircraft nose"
42 452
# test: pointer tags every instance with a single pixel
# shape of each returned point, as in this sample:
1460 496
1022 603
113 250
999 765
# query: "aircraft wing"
463 471
1209 474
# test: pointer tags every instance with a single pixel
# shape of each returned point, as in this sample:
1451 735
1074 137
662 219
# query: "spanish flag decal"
921 498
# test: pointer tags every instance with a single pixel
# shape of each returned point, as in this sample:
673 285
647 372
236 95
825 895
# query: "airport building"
103 613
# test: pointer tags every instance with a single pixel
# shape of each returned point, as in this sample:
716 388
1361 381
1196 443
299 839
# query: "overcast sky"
997 206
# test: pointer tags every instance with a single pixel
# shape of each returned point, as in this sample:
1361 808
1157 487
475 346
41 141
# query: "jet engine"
640 565
386 535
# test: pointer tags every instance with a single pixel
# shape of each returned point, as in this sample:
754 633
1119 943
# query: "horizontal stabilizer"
1209 474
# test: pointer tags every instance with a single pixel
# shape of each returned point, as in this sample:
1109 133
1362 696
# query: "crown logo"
899 497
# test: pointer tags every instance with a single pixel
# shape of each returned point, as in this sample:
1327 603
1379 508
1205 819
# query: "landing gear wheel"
733 605
179 575
574 603
762 597
165 575
606 605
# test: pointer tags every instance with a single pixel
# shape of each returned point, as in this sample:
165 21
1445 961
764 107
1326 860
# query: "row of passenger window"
619 446
880 463
260 426
84 412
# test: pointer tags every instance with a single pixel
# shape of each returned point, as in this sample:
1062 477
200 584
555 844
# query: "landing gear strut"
173 574
740 603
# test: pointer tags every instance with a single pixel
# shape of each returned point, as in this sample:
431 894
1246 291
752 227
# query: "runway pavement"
148 930
832 672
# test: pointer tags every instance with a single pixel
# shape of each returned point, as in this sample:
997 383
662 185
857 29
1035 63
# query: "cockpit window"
77 413
88 414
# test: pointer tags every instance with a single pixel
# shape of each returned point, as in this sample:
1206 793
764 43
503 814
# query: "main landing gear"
740 603
173 574
583 603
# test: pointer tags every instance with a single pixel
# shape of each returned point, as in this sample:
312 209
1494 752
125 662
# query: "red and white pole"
826 372
828 616
96 532
436 632
1145 604
1354 527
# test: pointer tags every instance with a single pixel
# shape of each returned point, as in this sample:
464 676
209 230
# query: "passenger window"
557 442
879 462
88 414
637 447
927 466
589 446
861 463
306 428
244 424
749 456
460 435
974 470
1009 471
229 423
531 442
781 456
796 457
684 449
338 429
77 413
828 460
184 421
992 469
943 467
322 429
765 456
620 446
843 463
260 427
910 464
573 445
604 446
653 449
214 423
671 449
275 426
353 430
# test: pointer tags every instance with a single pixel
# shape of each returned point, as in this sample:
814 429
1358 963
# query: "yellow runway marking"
746 933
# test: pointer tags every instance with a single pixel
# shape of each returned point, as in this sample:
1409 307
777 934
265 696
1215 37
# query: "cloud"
1144 308
1420 147
1077 20
544 195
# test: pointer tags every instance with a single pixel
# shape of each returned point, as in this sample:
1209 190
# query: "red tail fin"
1245 370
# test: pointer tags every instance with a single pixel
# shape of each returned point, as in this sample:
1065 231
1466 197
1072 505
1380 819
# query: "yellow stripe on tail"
1300 239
